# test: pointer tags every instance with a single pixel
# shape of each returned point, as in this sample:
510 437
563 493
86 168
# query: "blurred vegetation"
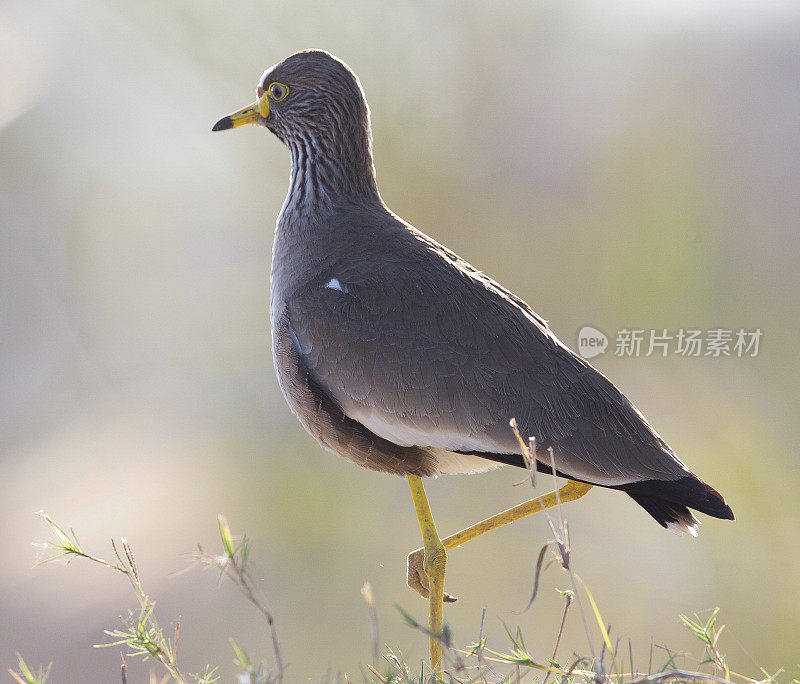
624 164
142 635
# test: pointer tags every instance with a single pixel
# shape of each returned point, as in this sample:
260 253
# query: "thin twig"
568 596
562 544
479 651
233 564
369 599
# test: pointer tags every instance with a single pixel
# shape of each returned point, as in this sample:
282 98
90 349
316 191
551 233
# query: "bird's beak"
251 114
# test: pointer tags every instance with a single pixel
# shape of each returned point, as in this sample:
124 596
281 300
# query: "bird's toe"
417 578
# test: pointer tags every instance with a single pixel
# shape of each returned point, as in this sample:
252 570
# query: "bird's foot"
417 578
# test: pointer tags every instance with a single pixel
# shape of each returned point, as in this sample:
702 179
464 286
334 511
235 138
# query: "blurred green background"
617 164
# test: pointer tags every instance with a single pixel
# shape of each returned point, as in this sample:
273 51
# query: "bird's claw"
417 578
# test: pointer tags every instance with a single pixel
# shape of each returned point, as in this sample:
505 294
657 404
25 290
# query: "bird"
397 354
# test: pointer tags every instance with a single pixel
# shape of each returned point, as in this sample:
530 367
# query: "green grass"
607 662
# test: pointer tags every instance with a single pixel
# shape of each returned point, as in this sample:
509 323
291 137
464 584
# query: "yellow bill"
251 114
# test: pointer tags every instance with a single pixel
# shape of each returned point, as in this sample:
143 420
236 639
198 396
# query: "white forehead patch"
334 284
263 82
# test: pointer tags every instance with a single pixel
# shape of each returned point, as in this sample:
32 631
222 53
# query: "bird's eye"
278 91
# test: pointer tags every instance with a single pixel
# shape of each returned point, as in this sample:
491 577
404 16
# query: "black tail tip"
668 501
728 514
709 501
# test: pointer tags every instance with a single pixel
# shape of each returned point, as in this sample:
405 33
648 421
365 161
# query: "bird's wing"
324 419
425 351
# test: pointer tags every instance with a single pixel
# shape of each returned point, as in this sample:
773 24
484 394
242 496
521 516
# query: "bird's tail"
669 501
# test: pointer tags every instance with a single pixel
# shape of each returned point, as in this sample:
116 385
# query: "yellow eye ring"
278 91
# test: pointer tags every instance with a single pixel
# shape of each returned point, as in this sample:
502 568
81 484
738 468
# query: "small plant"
141 633
233 563
708 633
26 675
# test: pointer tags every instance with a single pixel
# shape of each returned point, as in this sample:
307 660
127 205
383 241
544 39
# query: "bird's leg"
434 558
569 492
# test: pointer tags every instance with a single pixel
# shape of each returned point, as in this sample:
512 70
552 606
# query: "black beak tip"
223 124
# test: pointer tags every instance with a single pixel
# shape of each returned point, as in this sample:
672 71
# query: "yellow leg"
434 559
569 492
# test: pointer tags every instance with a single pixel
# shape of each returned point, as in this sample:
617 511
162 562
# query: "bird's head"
309 96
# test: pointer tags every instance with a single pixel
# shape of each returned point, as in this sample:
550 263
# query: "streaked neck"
325 173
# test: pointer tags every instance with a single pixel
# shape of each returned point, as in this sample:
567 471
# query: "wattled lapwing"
395 353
